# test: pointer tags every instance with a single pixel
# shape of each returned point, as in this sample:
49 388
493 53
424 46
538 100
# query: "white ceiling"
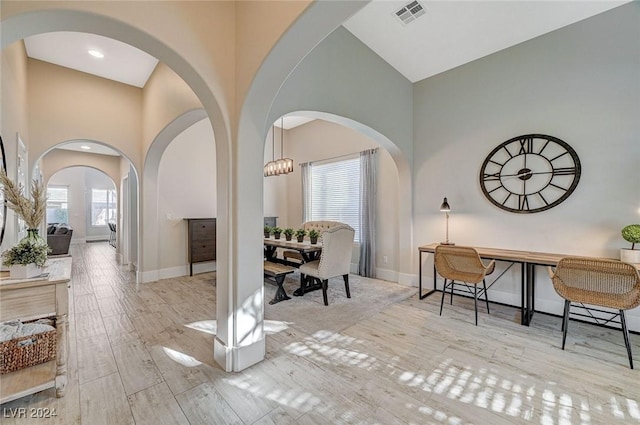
449 34
452 33
121 62
93 148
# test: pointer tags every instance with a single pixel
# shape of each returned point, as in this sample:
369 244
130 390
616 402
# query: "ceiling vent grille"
410 12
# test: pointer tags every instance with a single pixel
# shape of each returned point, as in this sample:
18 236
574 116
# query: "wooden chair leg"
486 296
625 333
444 292
565 321
325 284
346 285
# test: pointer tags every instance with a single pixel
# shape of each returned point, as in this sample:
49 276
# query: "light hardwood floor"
142 354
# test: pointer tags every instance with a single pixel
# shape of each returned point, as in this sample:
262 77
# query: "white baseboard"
178 271
408 279
386 274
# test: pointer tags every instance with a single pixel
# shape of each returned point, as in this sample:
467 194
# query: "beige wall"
187 189
70 105
13 119
320 140
164 97
58 159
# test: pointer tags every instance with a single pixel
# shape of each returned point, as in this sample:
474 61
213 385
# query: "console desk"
527 261
28 299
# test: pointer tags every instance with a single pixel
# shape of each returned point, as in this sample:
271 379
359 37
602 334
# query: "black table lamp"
445 208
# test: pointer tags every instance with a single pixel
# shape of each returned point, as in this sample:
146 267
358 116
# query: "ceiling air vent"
410 12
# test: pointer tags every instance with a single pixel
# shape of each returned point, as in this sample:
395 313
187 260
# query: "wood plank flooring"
143 354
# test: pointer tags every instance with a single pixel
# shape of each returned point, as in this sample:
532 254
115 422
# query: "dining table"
308 251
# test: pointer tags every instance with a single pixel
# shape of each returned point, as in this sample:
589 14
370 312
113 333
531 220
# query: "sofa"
59 238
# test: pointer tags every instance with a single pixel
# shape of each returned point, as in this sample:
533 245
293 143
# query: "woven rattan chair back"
601 282
461 263
597 282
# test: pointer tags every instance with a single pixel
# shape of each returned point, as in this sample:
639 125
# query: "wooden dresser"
28 299
202 240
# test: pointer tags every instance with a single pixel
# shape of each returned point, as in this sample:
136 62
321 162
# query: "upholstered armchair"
335 260
319 226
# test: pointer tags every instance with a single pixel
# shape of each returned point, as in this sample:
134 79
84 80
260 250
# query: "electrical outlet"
385 259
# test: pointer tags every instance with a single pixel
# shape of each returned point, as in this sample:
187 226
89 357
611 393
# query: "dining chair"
461 265
597 282
335 260
319 226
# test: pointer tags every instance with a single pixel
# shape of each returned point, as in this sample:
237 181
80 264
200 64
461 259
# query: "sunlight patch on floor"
183 359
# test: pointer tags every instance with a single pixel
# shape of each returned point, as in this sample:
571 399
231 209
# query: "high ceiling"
447 34
451 33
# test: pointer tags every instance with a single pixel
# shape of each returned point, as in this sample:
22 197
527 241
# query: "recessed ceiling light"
95 53
85 147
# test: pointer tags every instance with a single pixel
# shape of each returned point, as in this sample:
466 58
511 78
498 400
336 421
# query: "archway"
19 26
56 159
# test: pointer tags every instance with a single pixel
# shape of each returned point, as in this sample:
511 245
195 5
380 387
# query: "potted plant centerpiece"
631 234
288 233
267 231
313 236
28 257
300 233
276 232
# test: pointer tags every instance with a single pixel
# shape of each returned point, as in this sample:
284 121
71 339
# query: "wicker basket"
27 351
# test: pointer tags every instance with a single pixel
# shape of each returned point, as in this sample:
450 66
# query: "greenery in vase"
26 252
300 233
276 230
313 234
32 210
288 231
631 234
268 230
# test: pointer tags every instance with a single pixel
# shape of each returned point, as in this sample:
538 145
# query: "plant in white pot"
631 234
27 258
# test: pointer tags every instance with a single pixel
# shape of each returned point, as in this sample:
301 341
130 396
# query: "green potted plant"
276 232
288 233
631 234
267 231
313 236
300 234
26 259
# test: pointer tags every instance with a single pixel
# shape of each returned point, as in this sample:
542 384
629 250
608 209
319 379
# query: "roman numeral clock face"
530 173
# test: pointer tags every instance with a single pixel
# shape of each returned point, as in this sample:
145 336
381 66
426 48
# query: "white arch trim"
150 194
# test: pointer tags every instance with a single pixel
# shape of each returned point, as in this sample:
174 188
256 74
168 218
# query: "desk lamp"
445 208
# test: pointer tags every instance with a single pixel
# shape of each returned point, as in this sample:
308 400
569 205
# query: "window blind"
335 192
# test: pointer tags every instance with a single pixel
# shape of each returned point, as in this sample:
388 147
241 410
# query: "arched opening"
82 200
19 26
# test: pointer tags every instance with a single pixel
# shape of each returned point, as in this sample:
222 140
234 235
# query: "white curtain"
368 184
305 170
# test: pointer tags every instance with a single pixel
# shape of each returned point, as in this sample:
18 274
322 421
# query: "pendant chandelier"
282 165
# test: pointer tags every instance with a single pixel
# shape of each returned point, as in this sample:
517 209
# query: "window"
335 192
103 207
57 204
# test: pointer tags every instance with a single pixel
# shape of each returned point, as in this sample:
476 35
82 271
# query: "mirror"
3 206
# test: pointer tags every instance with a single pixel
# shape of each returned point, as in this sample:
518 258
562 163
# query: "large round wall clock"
530 173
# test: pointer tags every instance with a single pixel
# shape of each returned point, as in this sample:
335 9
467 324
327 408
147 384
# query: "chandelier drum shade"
282 165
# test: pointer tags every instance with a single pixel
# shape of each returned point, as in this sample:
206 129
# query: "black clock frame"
526 142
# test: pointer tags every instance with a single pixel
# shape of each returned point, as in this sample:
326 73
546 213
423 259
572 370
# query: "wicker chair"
335 260
462 265
597 282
